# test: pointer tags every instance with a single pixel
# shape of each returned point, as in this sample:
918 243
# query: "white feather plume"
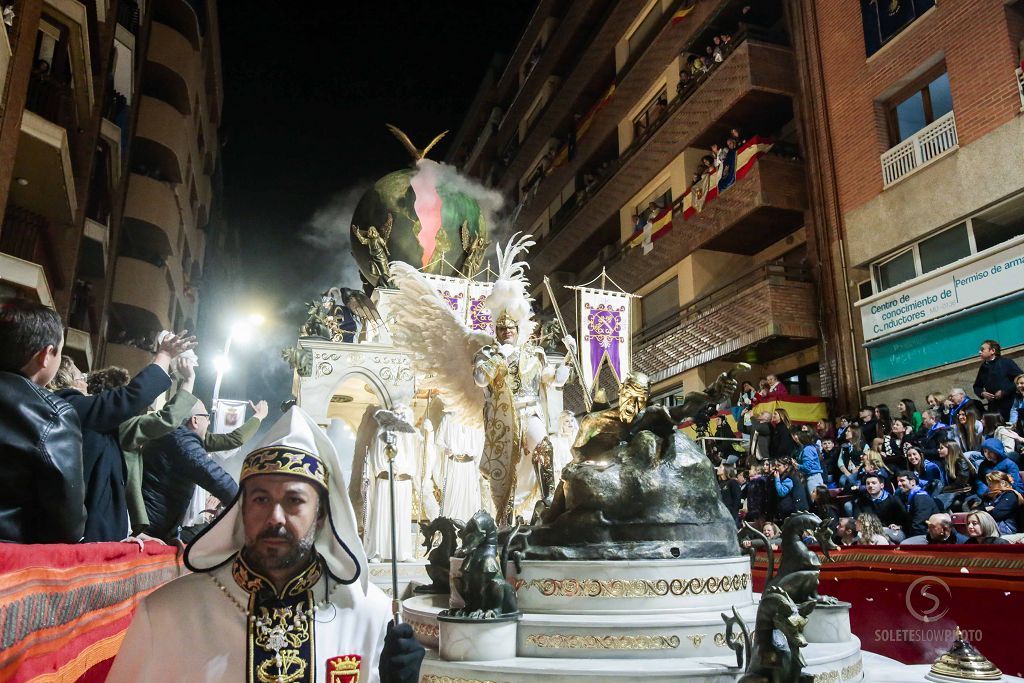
510 292
441 346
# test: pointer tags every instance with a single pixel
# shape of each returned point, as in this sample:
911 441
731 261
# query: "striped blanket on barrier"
64 609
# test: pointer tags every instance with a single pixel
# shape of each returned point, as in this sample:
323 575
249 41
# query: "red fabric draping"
907 601
64 608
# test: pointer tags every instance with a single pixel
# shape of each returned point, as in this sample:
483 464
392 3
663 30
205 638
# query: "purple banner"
604 336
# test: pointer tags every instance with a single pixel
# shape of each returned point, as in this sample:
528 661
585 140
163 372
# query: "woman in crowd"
772 531
745 402
906 410
883 420
869 530
929 474
842 424
968 430
939 402
873 464
894 447
1002 501
959 473
823 430
1017 407
781 442
850 454
809 462
729 489
982 529
992 427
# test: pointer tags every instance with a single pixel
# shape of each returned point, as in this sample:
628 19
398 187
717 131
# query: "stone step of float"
828 663
629 636
410 575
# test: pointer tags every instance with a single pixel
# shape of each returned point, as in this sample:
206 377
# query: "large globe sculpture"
427 216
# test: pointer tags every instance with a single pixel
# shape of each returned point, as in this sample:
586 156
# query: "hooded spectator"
995 460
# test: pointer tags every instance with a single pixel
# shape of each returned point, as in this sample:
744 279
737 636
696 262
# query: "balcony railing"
128 15
1020 86
53 100
922 148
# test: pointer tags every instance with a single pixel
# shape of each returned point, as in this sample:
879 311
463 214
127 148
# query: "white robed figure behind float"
496 383
562 441
459 468
377 536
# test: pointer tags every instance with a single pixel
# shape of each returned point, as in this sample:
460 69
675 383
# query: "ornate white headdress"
509 298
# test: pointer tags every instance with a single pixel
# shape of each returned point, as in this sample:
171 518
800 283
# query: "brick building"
108 162
922 182
595 127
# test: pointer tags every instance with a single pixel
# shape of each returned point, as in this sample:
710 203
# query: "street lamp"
242 331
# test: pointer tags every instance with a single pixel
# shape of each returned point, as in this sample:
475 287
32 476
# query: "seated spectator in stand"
810 462
830 459
103 462
851 453
172 467
1003 502
790 494
919 506
883 419
906 410
872 464
967 430
992 427
942 532
959 473
847 532
895 446
1017 407
842 424
781 442
729 489
776 389
883 505
959 401
929 474
995 381
996 461
982 529
823 430
42 499
870 530
821 505
933 434
940 403
868 425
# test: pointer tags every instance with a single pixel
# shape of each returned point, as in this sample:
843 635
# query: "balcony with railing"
141 298
128 15
763 315
755 83
929 144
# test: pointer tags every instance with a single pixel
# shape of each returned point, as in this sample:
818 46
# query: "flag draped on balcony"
735 167
605 328
681 13
652 230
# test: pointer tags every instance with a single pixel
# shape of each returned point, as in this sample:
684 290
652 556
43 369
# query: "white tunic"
462 447
377 540
188 630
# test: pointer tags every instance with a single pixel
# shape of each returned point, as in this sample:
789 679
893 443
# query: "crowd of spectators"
90 457
889 475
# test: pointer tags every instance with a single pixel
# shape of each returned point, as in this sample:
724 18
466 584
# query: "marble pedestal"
477 640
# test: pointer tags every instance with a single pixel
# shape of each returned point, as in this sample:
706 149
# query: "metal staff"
390 423
588 400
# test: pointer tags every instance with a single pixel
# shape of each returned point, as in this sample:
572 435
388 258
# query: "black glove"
401 657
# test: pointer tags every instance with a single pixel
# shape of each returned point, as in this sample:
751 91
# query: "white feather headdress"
509 295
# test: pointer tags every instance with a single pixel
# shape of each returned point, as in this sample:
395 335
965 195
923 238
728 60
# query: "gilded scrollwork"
589 642
635 588
425 630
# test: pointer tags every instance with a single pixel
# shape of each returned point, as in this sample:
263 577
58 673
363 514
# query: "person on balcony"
776 390
42 499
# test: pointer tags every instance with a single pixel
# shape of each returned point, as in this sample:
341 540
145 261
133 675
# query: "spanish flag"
652 231
584 123
680 14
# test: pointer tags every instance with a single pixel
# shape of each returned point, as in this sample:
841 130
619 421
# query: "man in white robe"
460 475
378 531
279 590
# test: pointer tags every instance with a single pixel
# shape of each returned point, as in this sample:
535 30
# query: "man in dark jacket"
100 416
876 500
933 434
919 505
42 496
994 383
942 532
172 467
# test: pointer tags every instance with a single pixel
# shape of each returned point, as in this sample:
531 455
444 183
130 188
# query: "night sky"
308 89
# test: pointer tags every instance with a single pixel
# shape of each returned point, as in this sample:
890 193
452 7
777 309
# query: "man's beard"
296 555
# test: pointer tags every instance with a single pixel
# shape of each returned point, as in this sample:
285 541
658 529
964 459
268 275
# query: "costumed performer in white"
562 442
279 590
378 532
509 370
460 476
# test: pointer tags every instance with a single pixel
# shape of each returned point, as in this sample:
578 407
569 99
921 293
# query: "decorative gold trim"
425 630
584 642
634 588
419 571
432 678
846 673
696 639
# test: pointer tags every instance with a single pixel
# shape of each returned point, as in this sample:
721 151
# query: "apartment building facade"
595 128
108 150
926 184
